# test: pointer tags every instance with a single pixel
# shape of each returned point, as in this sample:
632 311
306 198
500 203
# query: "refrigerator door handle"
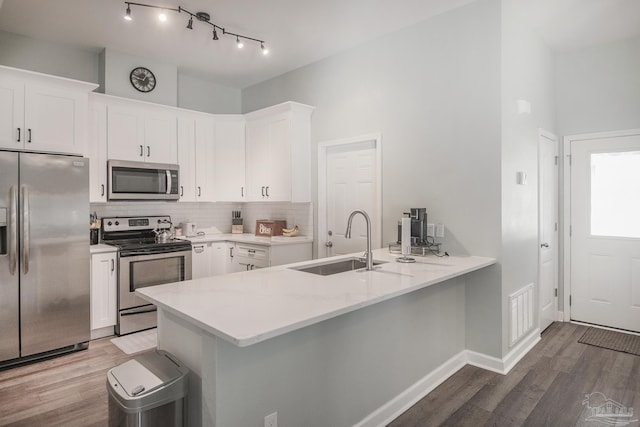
25 230
13 229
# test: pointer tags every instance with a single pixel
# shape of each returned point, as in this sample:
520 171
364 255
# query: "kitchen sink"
335 267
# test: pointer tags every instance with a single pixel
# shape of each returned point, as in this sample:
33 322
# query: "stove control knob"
109 223
117 222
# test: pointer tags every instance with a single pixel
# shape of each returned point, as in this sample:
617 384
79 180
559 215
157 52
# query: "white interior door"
548 228
349 179
605 233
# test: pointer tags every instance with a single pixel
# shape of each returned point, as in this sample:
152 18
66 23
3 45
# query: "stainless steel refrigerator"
44 255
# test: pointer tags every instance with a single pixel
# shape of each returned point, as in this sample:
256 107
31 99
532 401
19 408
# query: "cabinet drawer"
255 253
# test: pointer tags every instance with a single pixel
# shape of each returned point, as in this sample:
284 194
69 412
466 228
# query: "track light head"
203 17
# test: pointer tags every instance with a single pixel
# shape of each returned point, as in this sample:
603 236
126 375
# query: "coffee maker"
418 227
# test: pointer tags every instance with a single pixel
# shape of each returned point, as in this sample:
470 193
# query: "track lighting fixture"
203 17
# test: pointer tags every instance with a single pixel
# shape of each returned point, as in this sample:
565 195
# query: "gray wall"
118 66
336 372
111 70
599 88
49 58
527 73
201 95
433 91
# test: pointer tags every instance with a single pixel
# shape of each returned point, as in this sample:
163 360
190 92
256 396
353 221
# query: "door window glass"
615 194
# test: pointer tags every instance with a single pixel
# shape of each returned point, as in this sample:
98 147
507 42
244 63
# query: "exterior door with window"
605 230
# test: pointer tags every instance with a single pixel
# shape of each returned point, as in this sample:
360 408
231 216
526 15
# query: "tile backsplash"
218 215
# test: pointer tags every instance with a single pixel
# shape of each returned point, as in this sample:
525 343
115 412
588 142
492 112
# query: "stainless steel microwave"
142 181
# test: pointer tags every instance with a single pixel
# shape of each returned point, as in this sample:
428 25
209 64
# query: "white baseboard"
504 365
399 404
102 332
403 401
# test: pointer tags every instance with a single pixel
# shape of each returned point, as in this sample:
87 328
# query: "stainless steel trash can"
149 390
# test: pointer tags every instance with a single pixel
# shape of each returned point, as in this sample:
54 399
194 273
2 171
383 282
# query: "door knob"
544 245
329 244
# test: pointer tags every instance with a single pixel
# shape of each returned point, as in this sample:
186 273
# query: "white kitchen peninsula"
337 350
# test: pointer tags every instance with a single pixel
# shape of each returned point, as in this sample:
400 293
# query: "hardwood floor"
69 390
546 388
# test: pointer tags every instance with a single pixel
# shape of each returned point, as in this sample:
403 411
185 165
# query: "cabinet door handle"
181 191
267 191
29 132
262 191
230 252
113 265
19 136
241 191
199 192
141 151
102 187
148 151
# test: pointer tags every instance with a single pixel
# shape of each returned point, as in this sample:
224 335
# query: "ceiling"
297 32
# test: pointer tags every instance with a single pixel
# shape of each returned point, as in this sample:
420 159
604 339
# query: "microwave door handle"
168 172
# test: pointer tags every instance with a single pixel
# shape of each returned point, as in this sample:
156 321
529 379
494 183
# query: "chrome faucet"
368 255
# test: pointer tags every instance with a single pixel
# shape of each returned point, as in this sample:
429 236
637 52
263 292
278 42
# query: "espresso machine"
421 243
418 227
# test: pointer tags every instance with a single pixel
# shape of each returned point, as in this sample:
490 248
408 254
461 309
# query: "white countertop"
249 307
101 248
248 238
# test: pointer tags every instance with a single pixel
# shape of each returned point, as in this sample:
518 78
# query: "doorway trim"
566 206
323 147
542 133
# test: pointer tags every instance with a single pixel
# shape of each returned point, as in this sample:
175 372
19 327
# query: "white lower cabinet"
104 281
250 257
214 258
209 259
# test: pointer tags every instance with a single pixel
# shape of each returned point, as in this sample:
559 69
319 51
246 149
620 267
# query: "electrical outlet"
271 420
439 229
431 230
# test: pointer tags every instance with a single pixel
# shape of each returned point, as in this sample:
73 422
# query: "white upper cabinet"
196 157
97 149
278 153
42 113
141 132
229 159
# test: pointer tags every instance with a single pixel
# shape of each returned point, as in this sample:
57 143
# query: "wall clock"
142 79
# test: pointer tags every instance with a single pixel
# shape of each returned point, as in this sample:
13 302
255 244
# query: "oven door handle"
138 310
169 183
